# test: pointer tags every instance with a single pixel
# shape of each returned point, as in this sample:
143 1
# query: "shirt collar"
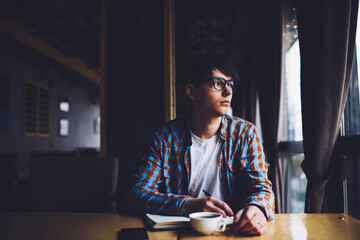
223 129
188 141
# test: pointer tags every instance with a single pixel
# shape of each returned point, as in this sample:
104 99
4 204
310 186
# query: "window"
293 125
64 127
349 142
357 64
290 130
36 115
4 102
64 105
351 120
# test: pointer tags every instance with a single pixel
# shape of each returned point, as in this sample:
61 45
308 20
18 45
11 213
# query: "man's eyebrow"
231 79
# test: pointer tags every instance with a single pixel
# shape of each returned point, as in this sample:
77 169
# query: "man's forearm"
264 199
151 201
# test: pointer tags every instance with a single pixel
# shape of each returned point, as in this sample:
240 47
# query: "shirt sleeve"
258 186
145 195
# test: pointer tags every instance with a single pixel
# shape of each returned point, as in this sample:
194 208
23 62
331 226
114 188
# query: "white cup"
207 222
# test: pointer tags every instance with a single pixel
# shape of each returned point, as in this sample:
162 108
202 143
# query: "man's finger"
243 218
248 219
259 229
220 204
212 208
238 215
207 204
249 224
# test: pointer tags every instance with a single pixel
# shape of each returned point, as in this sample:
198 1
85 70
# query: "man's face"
210 101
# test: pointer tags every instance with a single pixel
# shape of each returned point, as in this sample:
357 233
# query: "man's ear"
190 91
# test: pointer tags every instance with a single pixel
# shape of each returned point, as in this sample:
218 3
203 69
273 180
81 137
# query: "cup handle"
221 225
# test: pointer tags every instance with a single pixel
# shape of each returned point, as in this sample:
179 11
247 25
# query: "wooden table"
103 226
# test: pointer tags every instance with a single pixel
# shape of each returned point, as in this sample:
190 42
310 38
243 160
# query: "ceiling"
72 27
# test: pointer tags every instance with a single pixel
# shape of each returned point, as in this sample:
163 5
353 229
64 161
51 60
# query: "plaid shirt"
161 183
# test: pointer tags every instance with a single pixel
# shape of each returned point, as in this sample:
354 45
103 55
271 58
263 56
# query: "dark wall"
135 83
19 62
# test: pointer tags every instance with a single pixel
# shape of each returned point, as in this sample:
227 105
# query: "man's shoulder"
176 123
173 127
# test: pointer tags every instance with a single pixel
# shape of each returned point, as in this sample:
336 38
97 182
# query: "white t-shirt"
205 160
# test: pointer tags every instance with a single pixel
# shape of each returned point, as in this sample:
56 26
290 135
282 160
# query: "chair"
46 154
7 179
73 184
84 151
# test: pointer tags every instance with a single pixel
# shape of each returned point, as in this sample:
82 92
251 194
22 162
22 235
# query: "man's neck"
203 126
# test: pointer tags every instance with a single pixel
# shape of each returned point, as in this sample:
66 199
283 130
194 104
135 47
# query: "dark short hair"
201 67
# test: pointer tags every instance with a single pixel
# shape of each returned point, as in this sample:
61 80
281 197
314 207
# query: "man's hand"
250 221
207 204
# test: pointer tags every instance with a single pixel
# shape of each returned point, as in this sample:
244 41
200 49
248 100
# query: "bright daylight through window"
294 179
357 57
351 120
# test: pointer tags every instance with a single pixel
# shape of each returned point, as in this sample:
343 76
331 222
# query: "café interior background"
88 77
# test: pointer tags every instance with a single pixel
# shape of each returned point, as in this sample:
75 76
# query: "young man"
207 161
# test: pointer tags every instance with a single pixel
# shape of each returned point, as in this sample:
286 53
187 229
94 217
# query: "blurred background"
90 78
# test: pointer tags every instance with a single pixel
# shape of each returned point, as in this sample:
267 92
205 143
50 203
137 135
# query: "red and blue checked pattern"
161 183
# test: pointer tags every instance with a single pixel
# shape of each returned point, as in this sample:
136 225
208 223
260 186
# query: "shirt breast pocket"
238 164
243 162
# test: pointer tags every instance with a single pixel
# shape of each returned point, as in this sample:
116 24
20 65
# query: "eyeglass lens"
219 83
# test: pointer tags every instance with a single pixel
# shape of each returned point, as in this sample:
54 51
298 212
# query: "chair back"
73 184
47 154
7 179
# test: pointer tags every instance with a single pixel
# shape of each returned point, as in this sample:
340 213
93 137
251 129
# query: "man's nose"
227 90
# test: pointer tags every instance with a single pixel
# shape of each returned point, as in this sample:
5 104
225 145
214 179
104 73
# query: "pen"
209 195
206 193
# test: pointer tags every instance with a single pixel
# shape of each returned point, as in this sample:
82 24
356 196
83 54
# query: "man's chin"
225 111
222 113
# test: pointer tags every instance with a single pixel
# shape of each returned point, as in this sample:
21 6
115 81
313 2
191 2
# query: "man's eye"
219 83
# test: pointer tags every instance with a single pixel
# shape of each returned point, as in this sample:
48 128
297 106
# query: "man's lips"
225 102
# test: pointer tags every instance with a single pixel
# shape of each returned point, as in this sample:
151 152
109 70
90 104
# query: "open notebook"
172 222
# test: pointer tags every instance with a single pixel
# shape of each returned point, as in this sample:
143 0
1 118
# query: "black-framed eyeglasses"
220 83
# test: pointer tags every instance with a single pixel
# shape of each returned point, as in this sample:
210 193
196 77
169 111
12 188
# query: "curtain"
327 35
242 54
259 44
268 80
245 100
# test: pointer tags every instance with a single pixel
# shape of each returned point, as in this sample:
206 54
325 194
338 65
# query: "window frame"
39 100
